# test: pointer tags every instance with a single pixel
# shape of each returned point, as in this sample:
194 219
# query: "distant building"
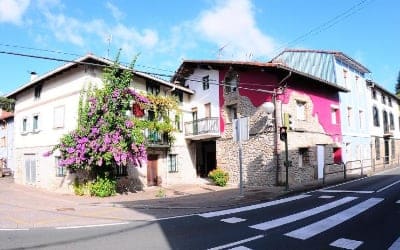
7 139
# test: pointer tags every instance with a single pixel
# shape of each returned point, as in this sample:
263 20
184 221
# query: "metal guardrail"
346 167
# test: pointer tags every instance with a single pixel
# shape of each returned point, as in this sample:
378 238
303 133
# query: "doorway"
152 170
30 168
386 142
320 161
205 158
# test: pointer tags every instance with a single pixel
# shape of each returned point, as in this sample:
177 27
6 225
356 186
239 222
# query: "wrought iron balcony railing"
202 128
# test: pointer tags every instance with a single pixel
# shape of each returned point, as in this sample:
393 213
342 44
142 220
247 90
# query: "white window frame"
59 116
37 129
301 110
25 121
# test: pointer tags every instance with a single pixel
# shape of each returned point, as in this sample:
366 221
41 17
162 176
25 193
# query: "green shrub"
103 187
219 177
80 188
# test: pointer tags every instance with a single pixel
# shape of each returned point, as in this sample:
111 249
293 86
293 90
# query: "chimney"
33 75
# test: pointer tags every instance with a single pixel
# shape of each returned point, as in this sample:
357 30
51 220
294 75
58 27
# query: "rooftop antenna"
220 50
109 38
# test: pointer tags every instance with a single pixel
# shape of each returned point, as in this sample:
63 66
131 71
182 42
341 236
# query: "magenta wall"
323 99
249 80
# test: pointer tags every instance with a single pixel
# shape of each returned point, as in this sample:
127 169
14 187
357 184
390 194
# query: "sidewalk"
23 207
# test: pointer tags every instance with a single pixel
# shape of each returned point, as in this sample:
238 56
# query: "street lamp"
268 107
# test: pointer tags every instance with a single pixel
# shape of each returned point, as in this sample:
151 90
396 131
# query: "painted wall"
356 125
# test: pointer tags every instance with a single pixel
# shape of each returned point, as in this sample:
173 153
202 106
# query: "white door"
30 169
320 160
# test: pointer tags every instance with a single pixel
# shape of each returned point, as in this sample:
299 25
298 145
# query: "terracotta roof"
5 115
255 64
96 61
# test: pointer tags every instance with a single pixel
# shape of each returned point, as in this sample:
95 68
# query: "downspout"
276 126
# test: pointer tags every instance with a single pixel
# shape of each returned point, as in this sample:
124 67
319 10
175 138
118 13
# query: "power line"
328 24
213 81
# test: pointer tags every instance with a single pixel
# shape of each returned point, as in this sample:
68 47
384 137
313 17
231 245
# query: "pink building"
227 90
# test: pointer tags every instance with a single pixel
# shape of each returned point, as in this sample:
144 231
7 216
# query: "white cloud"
232 23
12 10
115 11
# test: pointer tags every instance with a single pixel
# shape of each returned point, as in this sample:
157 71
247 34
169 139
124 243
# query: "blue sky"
165 32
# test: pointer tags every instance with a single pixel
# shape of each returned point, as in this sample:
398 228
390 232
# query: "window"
152 88
231 81
35 123
150 115
390 101
207 110
361 118
334 115
385 121
178 94
206 82
172 164
301 110
24 125
374 94
391 121
393 148
60 170
232 112
121 170
38 91
303 157
178 123
375 116
383 99
58 121
349 116
377 148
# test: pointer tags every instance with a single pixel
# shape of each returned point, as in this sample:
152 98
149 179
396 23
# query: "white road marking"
346 191
326 197
233 220
301 215
252 207
332 221
14 229
346 243
95 225
240 248
238 242
388 186
395 245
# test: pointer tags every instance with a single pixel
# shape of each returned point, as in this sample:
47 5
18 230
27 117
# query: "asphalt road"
362 214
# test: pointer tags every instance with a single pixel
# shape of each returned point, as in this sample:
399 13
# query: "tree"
6 104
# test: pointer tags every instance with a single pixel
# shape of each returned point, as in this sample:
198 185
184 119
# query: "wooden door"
152 168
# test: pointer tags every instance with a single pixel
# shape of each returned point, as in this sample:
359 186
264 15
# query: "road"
362 214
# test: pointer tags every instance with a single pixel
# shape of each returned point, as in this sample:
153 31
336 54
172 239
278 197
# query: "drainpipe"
276 126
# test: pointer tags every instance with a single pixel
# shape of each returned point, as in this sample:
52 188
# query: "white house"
47 108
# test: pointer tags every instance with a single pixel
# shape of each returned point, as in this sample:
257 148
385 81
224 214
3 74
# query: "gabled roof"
382 89
90 59
250 64
337 54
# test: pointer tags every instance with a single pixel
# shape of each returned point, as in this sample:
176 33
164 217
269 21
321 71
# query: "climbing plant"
106 136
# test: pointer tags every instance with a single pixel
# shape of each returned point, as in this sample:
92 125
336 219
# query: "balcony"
156 139
205 128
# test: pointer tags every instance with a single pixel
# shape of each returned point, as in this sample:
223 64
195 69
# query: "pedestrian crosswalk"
299 224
